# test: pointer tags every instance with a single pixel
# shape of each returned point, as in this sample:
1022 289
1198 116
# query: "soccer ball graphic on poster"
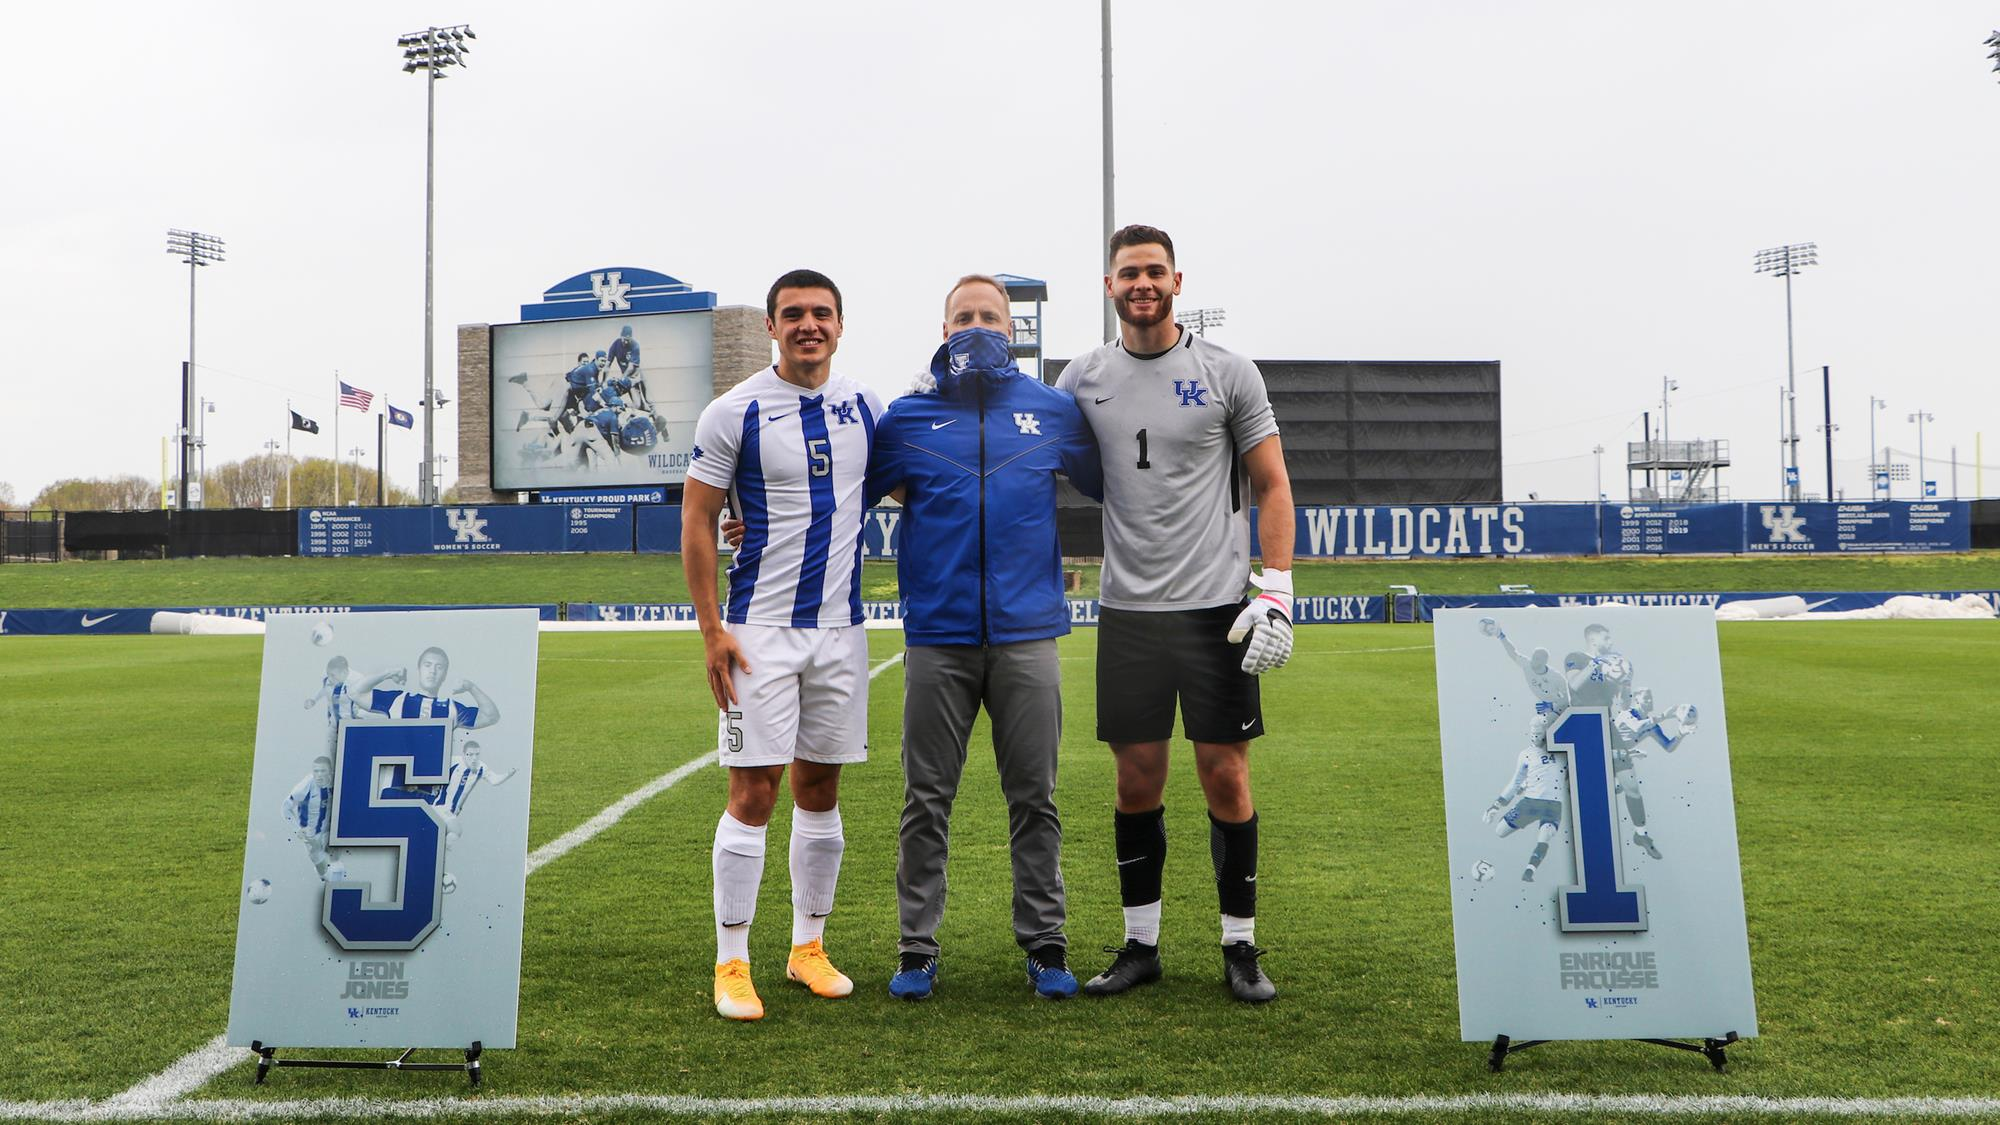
322 634
259 891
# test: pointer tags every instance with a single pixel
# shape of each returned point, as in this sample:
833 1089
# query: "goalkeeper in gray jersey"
1188 445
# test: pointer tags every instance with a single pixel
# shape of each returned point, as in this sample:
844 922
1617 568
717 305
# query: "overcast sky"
1574 189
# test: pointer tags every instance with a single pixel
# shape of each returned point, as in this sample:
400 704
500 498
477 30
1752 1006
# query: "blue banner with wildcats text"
1447 531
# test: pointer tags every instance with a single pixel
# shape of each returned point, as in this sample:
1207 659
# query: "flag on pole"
301 422
400 417
355 397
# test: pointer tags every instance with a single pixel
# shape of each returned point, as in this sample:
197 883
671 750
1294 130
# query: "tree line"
252 482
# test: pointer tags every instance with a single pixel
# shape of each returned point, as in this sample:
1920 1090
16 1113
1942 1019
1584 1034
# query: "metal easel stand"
1710 1049
266 1059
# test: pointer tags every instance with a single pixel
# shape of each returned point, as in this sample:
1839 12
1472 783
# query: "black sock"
1234 849
1142 854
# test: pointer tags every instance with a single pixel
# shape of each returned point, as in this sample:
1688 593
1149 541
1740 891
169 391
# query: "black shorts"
1146 661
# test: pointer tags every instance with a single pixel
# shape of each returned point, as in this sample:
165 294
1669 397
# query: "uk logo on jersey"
466 526
1192 392
610 289
1782 524
843 413
1027 424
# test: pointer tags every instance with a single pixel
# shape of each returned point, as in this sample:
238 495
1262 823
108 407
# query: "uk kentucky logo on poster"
386 855
1595 885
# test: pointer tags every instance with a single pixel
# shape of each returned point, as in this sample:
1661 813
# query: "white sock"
1236 929
1142 923
738 860
817 844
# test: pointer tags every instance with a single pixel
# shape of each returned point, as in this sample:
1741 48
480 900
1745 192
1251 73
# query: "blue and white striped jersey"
458 785
413 705
337 702
793 465
306 807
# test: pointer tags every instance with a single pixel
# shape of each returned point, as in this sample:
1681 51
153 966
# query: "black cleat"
1137 963
1239 970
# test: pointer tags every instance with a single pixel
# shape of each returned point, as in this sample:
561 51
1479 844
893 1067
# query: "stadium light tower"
197 250
431 50
1785 261
1201 320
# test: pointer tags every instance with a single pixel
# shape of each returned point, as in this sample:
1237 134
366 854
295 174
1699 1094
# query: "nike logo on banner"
88 620
1105 399
941 425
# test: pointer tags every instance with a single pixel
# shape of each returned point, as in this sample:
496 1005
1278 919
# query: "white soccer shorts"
806 697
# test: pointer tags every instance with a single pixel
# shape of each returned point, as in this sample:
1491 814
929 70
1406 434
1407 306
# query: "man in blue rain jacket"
975 460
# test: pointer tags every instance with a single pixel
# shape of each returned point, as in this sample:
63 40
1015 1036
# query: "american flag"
355 397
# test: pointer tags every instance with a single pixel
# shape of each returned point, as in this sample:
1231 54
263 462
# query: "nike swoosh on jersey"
941 425
775 417
88 620
1105 399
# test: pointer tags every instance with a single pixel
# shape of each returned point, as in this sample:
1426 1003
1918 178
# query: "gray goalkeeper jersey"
1172 431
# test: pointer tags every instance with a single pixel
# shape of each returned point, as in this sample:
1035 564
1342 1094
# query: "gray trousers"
944 685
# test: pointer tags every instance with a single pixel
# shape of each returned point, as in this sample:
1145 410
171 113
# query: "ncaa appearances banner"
386 854
1595 886
492 528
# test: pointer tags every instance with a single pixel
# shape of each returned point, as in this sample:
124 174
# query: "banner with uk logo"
385 858
1590 824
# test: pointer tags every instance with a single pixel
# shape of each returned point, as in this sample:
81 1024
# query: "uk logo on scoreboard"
617 290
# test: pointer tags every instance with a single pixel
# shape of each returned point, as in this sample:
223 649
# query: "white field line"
192 1071
924 1105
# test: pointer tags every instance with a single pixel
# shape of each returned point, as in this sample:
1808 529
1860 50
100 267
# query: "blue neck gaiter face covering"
974 354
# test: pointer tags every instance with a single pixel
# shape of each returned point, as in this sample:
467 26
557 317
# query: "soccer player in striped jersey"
1541 784
308 809
466 772
787 449
429 701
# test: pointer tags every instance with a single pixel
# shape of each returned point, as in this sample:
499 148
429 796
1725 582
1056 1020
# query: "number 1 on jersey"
1143 463
1600 899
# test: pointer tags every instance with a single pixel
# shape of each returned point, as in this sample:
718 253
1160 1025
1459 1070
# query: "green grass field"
653 578
1864 768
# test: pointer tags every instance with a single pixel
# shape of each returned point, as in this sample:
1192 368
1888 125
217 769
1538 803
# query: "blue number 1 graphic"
366 815
1600 900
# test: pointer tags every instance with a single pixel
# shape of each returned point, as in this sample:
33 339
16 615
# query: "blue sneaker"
914 977
1050 975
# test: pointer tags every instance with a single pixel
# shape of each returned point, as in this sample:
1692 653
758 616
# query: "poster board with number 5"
386 852
1596 890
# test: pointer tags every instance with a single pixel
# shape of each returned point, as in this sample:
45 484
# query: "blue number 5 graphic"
1600 900
395 817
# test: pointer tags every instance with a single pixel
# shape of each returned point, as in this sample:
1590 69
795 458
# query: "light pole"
1201 320
1785 261
356 453
431 51
271 478
1110 321
1923 480
201 446
197 250
1876 472
1598 452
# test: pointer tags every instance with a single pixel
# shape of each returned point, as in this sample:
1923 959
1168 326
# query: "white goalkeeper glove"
1267 621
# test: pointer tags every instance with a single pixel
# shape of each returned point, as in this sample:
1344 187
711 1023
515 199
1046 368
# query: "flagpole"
288 453
336 439
381 440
